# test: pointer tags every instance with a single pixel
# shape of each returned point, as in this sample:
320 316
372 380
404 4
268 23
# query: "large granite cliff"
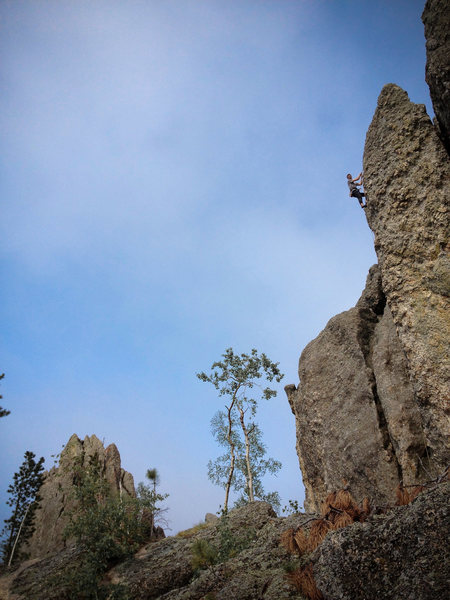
407 181
358 425
372 406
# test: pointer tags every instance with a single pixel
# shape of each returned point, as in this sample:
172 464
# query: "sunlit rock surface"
407 181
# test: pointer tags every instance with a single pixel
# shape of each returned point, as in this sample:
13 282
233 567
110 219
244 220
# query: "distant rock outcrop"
56 492
436 18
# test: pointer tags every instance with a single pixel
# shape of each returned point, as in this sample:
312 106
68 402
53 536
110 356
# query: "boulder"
358 425
402 554
211 518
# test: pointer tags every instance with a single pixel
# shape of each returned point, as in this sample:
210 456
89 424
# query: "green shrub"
229 544
204 554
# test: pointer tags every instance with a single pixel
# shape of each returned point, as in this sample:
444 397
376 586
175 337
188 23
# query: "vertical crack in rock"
357 418
365 338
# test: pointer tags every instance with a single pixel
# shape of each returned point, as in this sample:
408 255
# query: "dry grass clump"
405 496
303 580
338 510
319 529
287 541
188 533
301 540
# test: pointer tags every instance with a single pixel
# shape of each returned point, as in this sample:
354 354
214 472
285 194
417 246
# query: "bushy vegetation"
106 528
229 544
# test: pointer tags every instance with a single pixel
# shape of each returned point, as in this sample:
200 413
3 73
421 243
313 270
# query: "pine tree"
148 501
24 500
3 411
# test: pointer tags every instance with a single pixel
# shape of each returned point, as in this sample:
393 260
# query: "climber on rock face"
354 191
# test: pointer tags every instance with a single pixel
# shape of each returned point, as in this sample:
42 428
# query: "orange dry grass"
338 510
405 496
318 531
303 580
302 541
366 508
329 501
342 520
402 496
295 542
288 541
344 501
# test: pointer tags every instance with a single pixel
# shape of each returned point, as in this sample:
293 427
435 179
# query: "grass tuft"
303 580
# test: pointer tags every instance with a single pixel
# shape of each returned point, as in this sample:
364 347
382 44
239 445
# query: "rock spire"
52 515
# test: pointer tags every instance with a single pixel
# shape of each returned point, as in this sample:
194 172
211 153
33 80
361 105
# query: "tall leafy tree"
223 471
243 380
3 411
259 465
24 499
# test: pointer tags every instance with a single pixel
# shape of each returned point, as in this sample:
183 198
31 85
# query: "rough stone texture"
164 569
357 421
51 517
436 18
407 181
403 554
211 518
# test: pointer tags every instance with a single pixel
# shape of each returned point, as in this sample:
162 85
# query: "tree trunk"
247 455
18 535
232 456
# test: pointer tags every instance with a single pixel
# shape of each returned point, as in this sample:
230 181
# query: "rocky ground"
400 554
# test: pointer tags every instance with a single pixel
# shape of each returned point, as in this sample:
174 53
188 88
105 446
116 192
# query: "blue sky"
172 184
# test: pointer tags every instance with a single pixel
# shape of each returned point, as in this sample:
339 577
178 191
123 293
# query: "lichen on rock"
403 554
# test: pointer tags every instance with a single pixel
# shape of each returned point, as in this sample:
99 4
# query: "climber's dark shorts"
358 194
